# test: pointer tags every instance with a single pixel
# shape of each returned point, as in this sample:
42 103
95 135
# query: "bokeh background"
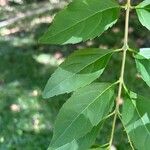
26 120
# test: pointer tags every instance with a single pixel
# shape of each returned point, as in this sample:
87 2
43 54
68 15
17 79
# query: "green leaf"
142 60
86 141
69 146
143 4
136 119
99 148
86 108
79 70
143 12
83 143
82 20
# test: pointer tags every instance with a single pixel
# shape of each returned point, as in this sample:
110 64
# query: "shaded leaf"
143 12
86 141
143 64
82 20
79 69
136 119
99 148
83 111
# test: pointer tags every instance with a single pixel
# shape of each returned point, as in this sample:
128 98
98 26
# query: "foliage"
78 70
143 11
135 117
143 62
72 24
91 103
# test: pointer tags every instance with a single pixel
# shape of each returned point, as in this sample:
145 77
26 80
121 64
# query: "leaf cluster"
82 116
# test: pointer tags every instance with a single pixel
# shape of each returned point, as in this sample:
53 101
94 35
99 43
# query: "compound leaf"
143 12
79 70
81 20
136 119
86 108
143 64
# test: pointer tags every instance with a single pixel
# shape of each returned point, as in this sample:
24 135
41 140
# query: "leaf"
136 119
99 148
79 70
83 143
143 12
143 4
86 141
81 20
69 146
142 60
86 108
145 52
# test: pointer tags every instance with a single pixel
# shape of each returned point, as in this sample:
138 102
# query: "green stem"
118 50
121 79
131 145
111 114
133 51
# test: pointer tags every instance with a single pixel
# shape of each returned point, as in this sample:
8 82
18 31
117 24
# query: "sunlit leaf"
136 119
79 69
143 12
82 20
83 111
143 64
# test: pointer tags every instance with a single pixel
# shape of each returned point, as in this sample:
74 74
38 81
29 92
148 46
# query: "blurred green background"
26 120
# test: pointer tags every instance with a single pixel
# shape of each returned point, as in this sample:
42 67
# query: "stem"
113 129
133 51
111 114
121 79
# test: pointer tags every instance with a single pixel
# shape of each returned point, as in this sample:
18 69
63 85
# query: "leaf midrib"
83 111
73 74
82 21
